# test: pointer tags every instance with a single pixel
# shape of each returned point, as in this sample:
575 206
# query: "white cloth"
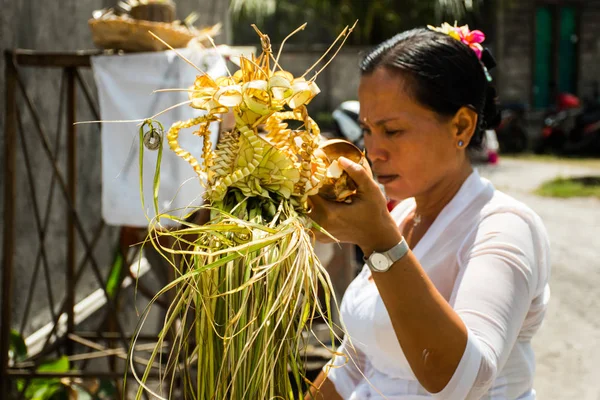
125 85
488 255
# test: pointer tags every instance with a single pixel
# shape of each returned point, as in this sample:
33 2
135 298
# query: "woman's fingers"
366 166
359 174
348 222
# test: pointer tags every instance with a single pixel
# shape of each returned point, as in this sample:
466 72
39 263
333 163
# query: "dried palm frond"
248 284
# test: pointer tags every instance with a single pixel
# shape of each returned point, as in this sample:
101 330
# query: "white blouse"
488 255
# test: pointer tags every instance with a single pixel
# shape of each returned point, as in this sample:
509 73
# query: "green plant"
378 19
587 186
55 388
47 388
17 347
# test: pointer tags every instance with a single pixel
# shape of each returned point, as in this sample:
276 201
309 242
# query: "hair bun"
488 59
490 113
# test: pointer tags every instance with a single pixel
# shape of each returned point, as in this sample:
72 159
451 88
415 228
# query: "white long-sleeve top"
488 255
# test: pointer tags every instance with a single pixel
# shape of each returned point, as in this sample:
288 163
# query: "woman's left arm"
453 352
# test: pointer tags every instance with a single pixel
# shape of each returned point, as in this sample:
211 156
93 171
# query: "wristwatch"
381 262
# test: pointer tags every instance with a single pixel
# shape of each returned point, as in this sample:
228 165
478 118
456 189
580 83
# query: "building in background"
545 48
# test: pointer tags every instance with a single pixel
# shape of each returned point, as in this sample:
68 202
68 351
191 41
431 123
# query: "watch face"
380 261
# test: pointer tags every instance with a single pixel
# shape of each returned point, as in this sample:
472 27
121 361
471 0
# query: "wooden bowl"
342 188
336 148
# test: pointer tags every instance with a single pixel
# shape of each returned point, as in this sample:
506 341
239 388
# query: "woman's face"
412 149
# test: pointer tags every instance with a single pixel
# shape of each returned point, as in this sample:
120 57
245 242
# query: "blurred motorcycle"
345 123
570 128
511 132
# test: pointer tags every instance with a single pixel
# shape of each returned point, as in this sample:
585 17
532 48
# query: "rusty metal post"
71 186
10 135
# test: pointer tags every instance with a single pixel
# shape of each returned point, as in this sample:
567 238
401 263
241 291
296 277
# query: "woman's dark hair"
442 74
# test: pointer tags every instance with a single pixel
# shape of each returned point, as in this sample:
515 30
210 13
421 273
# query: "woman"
454 317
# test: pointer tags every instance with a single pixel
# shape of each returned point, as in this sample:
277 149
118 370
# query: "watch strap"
392 255
398 251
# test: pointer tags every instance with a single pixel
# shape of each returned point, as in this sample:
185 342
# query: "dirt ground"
568 345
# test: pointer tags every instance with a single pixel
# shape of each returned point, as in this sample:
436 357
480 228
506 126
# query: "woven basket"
123 33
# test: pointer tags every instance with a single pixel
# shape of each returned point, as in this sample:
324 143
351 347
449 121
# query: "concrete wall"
60 26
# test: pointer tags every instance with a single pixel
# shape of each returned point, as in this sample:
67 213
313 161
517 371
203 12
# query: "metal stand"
113 344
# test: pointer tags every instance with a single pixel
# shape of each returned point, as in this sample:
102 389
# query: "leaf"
46 388
39 392
17 345
115 276
43 389
59 365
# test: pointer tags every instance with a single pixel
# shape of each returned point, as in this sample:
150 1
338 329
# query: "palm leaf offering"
248 282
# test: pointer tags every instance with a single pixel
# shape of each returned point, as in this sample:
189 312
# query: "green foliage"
378 19
17 346
55 388
587 186
46 388
115 276
256 9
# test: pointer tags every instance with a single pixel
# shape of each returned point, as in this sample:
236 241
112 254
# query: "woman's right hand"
365 222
